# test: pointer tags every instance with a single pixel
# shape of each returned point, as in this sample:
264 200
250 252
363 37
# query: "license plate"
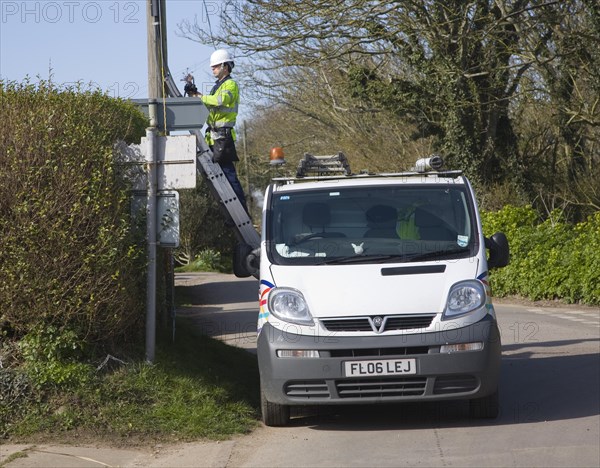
380 367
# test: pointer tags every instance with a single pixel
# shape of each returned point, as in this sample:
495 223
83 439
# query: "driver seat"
431 226
381 221
317 216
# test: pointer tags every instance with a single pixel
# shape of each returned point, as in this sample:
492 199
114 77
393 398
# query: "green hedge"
68 259
549 259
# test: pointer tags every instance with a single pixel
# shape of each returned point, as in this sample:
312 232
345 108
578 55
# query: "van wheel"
273 414
487 407
240 252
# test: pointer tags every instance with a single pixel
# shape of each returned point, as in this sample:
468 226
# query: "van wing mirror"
499 256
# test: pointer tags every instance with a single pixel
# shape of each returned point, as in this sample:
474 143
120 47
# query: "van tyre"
487 407
273 414
240 253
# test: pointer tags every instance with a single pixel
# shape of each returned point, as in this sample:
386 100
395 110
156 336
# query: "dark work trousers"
229 172
224 153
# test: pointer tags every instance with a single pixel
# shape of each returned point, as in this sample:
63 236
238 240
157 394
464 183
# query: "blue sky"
102 42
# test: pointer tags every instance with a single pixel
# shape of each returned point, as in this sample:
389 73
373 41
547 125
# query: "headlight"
464 297
289 305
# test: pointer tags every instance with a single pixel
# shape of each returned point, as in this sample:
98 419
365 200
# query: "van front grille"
381 388
376 352
386 323
351 325
405 323
306 389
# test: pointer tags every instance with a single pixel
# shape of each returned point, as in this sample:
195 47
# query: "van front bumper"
322 380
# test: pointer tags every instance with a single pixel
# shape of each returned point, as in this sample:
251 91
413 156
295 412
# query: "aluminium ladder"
223 192
323 165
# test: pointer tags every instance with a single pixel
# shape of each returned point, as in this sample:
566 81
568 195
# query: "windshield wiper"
363 259
393 257
436 254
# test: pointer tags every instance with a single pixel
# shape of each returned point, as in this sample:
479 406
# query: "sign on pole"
167 215
176 159
176 162
180 113
168 219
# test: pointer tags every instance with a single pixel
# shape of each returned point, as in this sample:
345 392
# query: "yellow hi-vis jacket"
405 225
222 102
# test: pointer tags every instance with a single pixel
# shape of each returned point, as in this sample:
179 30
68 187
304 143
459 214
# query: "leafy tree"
451 76
443 66
567 85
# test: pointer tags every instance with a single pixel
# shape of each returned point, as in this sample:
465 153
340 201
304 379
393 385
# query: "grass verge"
198 387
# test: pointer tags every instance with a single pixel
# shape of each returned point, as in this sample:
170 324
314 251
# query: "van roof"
408 178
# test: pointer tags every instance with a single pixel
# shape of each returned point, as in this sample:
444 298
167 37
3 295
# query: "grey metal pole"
151 134
152 18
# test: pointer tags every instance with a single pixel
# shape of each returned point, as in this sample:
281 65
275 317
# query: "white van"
374 289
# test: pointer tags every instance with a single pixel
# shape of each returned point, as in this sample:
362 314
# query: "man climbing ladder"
222 103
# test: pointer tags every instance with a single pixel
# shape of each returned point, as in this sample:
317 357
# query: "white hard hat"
220 56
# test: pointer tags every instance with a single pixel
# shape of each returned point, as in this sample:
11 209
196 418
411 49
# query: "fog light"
453 348
300 353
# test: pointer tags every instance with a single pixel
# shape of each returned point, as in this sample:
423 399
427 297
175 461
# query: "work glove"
190 89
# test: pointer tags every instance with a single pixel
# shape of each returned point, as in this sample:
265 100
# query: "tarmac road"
550 405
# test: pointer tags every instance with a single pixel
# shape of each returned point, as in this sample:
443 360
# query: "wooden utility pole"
154 81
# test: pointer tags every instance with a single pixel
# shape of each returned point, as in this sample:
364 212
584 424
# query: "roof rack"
369 175
337 167
323 165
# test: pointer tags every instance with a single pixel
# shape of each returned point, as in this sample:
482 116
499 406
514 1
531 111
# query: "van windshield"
379 224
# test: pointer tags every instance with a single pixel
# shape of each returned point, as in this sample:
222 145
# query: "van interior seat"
431 226
381 220
317 216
